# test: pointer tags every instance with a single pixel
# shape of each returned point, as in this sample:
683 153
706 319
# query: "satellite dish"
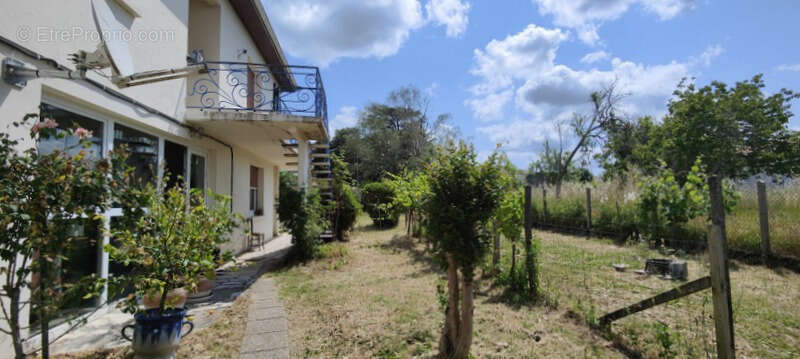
111 30
113 51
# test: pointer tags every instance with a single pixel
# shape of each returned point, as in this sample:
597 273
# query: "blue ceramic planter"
157 335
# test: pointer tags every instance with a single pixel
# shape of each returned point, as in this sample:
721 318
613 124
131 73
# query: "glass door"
197 172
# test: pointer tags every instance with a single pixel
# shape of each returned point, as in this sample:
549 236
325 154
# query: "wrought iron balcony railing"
240 86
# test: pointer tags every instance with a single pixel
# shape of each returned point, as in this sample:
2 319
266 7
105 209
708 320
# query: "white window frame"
109 125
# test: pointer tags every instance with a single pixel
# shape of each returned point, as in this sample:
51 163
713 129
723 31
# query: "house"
230 128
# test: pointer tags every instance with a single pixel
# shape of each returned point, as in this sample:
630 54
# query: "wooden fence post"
544 206
763 216
588 212
528 238
528 219
720 277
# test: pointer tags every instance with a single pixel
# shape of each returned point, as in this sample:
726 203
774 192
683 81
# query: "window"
197 172
67 121
175 163
256 189
83 257
142 152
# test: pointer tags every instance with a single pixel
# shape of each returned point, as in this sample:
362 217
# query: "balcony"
289 95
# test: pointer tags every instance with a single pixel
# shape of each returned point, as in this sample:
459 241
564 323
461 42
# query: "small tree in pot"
171 242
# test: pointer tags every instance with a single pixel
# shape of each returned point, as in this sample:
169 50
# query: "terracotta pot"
204 287
176 296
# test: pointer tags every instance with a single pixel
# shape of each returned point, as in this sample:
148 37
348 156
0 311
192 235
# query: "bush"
378 199
346 210
567 213
302 214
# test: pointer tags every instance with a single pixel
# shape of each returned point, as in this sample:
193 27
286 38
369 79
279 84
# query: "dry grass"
380 300
383 303
742 224
221 339
577 274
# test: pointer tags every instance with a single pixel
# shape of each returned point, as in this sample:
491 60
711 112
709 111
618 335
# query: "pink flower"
81 133
47 123
50 123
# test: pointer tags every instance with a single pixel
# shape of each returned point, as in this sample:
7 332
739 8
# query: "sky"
508 71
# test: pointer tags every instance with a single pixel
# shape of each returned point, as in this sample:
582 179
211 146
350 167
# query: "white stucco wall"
56 29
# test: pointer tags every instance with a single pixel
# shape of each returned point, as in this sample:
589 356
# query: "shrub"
567 213
345 208
302 214
378 200
41 195
172 244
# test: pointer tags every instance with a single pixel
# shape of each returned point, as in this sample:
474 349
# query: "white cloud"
789 67
522 70
710 54
347 117
519 134
449 13
586 16
596 56
323 31
490 106
530 51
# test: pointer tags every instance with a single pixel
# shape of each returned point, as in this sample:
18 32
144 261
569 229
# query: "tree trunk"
14 327
43 316
450 332
558 189
496 253
513 257
465 333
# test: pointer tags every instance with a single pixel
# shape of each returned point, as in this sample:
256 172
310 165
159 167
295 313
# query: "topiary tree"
464 194
508 179
378 199
411 192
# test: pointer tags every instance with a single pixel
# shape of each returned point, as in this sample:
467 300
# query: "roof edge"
255 20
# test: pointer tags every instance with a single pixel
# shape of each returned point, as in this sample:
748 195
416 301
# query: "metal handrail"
244 86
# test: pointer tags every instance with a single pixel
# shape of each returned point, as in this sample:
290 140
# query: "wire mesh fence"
597 277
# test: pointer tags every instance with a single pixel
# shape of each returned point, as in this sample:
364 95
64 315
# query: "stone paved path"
266 336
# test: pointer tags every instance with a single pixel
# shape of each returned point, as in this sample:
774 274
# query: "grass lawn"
375 296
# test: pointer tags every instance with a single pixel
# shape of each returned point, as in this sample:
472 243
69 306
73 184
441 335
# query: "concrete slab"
267 354
264 341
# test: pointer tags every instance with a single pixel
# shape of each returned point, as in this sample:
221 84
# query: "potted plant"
170 241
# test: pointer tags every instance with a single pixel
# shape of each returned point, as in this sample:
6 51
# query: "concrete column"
276 193
303 163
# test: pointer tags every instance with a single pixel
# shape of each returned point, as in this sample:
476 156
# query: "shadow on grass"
617 341
417 254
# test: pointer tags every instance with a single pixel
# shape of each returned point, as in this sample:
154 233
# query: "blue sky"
509 71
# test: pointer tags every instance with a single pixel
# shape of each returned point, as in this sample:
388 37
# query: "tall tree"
589 130
737 131
391 137
625 149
